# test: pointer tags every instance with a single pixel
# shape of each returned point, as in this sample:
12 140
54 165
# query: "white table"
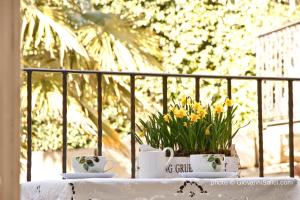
155 189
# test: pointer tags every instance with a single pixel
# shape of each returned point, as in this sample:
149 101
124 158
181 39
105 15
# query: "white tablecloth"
155 189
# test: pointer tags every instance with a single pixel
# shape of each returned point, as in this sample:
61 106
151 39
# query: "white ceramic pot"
207 162
152 164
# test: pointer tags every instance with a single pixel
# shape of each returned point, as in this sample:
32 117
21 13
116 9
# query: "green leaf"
82 159
85 166
214 165
210 158
96 159
90 163
218 161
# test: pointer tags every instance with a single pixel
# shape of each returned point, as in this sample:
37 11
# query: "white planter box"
178 165
182 164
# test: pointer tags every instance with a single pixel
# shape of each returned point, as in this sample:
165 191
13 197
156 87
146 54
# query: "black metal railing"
164 77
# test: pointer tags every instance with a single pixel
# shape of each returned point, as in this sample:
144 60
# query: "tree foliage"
70 35
208 37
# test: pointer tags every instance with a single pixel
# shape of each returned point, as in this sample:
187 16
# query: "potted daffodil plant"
192 129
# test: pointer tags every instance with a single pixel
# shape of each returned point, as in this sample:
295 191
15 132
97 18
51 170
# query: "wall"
9 99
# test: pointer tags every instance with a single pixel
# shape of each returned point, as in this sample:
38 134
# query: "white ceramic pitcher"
153 163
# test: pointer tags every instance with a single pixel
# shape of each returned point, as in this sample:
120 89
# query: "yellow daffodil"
207 131
219 108
202 112
189 101
197 106
229 102
185 124
194 117
180 113
171 109
183 101
166 118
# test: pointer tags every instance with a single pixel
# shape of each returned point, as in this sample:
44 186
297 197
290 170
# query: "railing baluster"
29 124
197 89
64 108
291 128
132 110
165 94
230 108
229 88
260 128
99 101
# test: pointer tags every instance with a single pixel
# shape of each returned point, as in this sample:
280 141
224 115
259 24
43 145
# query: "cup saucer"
87 175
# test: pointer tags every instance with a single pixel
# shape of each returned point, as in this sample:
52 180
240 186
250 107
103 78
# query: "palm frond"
38 29
59 34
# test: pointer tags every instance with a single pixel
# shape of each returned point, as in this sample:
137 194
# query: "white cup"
207 162
152 164
94 164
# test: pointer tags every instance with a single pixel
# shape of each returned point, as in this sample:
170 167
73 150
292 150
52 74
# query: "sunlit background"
175 36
